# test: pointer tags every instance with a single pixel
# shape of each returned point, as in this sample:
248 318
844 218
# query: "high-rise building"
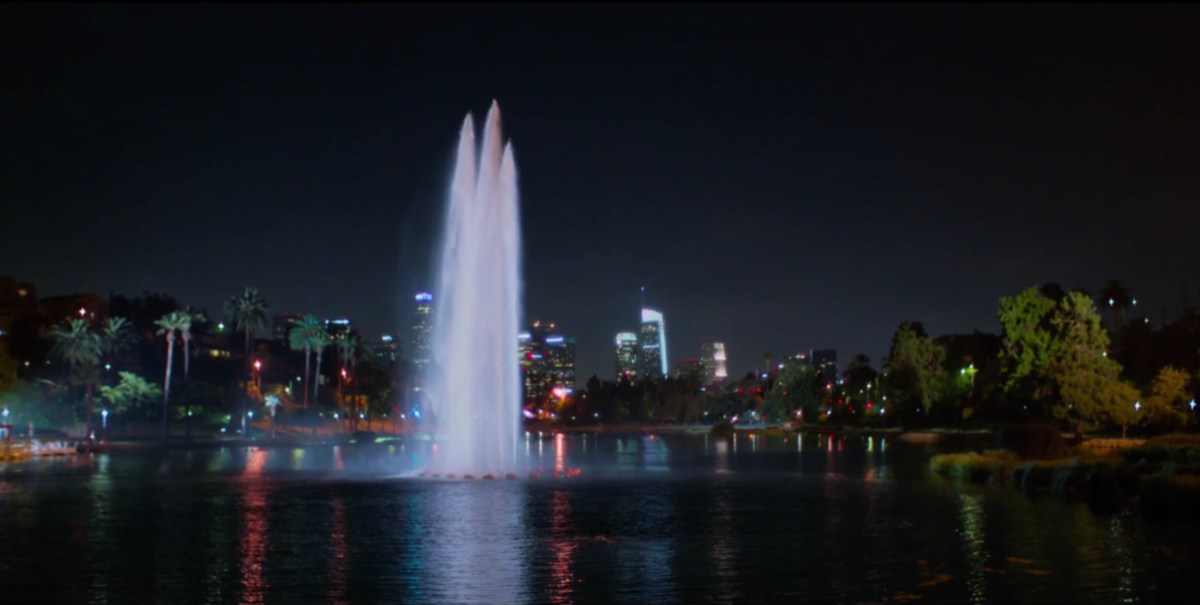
336 327
627 356
560 361
824 361
282 325
653 344
712 355
420 353
387 350
547 360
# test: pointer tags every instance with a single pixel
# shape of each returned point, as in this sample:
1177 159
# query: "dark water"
648 520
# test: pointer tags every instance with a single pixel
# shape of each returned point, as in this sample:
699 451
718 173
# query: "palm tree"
301 339
250 314
195 318
347 348
320 341
169 324
1118 299
116 336
80 348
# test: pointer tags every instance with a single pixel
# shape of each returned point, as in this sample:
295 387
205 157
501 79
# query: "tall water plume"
475 389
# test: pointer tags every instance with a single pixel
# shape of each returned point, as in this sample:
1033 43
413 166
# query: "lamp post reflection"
337 554
253 546
562 547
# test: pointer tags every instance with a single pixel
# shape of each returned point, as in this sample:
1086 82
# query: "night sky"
779 178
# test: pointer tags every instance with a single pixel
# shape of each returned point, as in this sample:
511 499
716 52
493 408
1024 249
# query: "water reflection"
560 454
972 535
253 546
338 553
654 453
721 459
475 544
562 547
101 495
723 551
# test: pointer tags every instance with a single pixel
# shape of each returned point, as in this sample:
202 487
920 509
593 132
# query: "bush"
1033 441
723 428
975 467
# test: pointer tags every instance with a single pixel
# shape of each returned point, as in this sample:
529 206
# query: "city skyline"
810 185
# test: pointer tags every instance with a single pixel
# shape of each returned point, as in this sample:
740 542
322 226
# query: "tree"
914 376
320 341
797 388
116 336
131 392
195 318
170 323
302 337
348 348
858 378
1054 352
76 345
1116 403
1166 403
1118 299
250 314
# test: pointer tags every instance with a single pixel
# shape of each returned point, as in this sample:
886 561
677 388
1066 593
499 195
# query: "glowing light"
1191 405
257 364
82 311
1137 406
424 297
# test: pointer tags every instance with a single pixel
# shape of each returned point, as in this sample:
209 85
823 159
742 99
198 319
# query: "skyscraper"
653 344
386 351
713 356
547 360
627 356
419 351
337 326
282 325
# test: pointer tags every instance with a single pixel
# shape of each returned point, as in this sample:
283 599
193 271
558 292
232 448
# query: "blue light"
424 297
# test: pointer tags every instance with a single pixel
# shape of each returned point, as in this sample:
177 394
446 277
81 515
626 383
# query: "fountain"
475 386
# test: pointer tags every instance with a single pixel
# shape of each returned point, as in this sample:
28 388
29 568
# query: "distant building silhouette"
824 361
712 355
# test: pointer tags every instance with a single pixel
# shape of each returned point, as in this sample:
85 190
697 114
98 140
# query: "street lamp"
104 423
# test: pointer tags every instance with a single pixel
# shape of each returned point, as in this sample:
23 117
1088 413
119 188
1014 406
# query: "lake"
635 519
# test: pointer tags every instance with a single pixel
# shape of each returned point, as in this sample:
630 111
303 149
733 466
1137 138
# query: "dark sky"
779 178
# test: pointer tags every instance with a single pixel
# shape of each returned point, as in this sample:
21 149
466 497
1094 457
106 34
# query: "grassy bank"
1161 476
